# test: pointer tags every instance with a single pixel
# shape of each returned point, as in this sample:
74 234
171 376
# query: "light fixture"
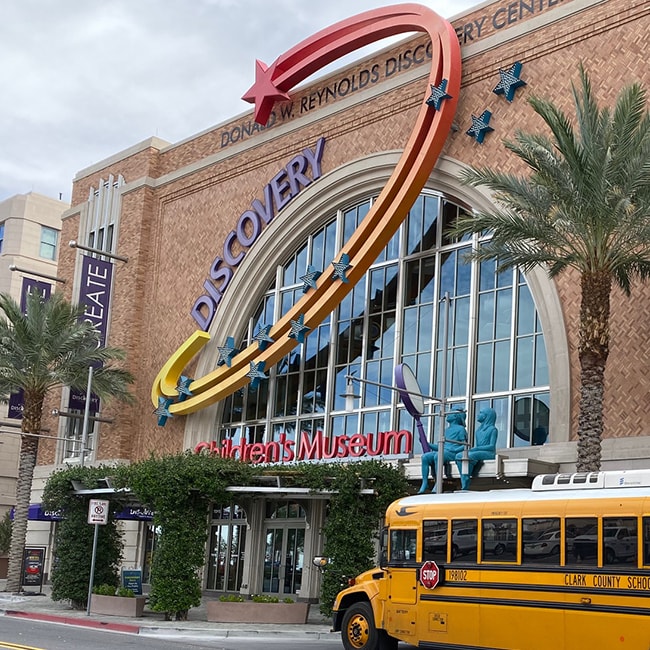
13 267
80 416
349 394
97 251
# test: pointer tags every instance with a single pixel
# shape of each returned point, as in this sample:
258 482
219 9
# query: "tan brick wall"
172 233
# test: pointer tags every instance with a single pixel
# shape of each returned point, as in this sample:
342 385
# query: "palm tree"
584 205
46 347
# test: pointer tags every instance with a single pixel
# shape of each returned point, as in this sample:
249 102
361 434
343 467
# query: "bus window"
620 541
541 541
434 534
499 540
646 540
582 541
464 533
403 544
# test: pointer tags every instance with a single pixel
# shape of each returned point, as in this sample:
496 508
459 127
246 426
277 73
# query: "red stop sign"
429 575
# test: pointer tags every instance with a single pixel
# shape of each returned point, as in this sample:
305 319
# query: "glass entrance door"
283 559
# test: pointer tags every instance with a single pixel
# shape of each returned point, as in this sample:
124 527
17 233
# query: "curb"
72 620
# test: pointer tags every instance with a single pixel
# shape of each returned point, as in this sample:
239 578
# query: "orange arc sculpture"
272 83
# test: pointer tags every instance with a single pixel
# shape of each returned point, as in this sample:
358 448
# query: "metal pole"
92 569
443 399
84 432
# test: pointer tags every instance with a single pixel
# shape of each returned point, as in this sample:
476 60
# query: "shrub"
104 590
231 598
288 601
264 598
124 592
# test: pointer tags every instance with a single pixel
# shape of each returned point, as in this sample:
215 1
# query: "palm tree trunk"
27 462
593 352
31 424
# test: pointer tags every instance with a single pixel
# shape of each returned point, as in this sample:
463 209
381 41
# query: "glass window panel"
524 358
318 250
487 275
501 366
499 540
464 536
431 205
503 313
447 273
434 540
464 275
330 244
619 542
525 312
541 362
646 541
461 321
486 317
301 263
484 368
410 338
427 277
425 328
403 546
349 224
541 541
289 275
581 534
504 279
459 372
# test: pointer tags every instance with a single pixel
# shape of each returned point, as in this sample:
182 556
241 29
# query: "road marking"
17 646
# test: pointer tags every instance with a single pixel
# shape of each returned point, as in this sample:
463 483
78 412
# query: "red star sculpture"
264 93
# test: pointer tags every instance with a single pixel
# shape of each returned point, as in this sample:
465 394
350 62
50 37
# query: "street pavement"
36 604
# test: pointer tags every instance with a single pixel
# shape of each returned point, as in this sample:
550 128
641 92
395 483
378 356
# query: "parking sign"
98 511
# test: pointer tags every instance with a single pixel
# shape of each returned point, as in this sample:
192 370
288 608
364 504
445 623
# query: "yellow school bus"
564 565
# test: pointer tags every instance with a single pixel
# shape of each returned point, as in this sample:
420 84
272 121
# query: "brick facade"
181 200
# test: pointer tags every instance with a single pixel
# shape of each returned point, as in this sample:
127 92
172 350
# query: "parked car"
619 544
547 543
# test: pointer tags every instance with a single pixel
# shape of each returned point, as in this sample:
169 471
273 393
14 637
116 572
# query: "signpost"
97 515
429 575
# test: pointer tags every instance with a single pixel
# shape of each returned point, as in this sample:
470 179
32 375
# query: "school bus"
563 565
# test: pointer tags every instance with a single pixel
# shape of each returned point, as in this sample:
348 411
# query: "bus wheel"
358 631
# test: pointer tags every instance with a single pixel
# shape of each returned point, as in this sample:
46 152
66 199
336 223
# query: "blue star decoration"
298 329
256 373
480 126
341 267
510 81
262 337
163 410
438 95
227 352
309 279
183 388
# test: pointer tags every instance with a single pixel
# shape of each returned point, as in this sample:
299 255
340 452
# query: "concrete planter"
251 612
117 605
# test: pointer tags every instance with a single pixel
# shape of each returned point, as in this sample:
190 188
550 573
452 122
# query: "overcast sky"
81 80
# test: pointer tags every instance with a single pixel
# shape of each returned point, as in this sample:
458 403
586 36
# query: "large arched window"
421 287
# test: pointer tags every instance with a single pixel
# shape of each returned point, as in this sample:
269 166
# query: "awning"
38 513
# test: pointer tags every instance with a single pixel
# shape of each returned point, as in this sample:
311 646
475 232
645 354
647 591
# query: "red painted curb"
73 620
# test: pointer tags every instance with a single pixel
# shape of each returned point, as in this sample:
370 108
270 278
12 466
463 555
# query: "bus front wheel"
358 631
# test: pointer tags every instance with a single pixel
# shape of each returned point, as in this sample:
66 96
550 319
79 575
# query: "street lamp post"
84 431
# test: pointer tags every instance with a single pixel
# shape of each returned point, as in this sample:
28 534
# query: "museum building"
210 245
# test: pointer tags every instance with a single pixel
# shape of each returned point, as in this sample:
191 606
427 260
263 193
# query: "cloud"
84 79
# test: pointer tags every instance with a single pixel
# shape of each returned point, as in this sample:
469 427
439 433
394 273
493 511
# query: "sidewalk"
35 605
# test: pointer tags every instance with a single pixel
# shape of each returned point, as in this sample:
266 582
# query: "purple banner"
45 289
95 295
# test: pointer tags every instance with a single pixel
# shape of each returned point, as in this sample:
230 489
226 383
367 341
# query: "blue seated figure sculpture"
454 433
485 445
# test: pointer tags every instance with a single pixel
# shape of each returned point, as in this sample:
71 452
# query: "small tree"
47 347
585 205
73 542
5 533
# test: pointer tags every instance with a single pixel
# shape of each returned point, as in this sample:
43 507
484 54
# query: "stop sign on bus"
429 575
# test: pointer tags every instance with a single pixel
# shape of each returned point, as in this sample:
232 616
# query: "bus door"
403 570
